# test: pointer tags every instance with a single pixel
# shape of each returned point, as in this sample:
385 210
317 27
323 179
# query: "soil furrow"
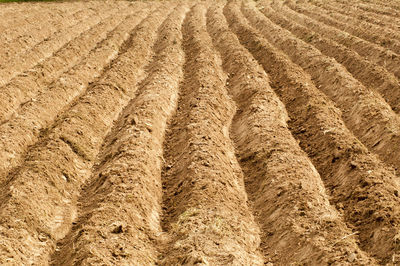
13 12
19 12
280 179
367 31
393 5
57 166
370 51
128 179
378 9
19 36
32 119
24 25
48 47
362 15
360 186
16 14
24 90
7 11
230 132
205 203
371 75
13 23
25 42
364 111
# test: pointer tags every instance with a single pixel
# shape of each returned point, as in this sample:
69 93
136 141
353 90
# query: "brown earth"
200 132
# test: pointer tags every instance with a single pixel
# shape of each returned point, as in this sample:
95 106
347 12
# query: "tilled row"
382 36
359 184
7 11
22 65
32 119
202 135
127 179
280 179
204 209
379 9
25 13
371 75
24 90
45 188
371 51
19 18
19 35
363 15
393 5
19 48
364 111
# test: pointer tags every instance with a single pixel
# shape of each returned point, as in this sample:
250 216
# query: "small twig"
346 236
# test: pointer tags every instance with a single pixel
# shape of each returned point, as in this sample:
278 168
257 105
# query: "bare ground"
213 133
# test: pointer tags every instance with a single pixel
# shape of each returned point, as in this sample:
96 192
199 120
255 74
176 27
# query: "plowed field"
200 132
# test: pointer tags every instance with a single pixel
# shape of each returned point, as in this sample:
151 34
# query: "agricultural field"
200 132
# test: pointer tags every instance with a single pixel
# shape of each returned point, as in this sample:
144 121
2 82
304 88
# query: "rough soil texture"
200 132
